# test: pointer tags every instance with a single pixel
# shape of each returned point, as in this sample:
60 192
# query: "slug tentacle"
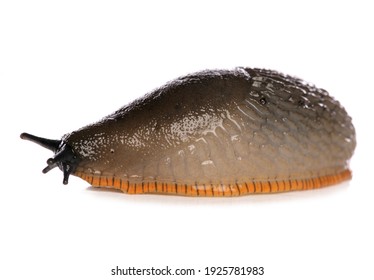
64 158
46 143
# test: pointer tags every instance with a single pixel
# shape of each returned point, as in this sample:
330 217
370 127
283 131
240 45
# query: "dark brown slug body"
214 133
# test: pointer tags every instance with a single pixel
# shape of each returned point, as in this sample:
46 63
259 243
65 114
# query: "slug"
214 133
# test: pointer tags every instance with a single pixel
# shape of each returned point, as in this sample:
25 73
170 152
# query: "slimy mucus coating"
214 133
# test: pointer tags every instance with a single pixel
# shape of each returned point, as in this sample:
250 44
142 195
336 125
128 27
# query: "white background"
64 64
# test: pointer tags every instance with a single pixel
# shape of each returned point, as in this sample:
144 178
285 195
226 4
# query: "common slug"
214 133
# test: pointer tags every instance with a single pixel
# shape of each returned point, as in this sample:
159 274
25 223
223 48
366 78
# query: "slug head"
64 157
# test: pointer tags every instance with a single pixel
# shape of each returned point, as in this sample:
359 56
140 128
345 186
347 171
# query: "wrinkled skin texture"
220 127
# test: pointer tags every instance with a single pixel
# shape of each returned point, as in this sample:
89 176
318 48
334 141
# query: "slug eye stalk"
64 157
46 143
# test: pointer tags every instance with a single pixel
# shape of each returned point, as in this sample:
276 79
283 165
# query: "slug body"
214 133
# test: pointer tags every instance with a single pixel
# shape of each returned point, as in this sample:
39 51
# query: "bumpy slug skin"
214 133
